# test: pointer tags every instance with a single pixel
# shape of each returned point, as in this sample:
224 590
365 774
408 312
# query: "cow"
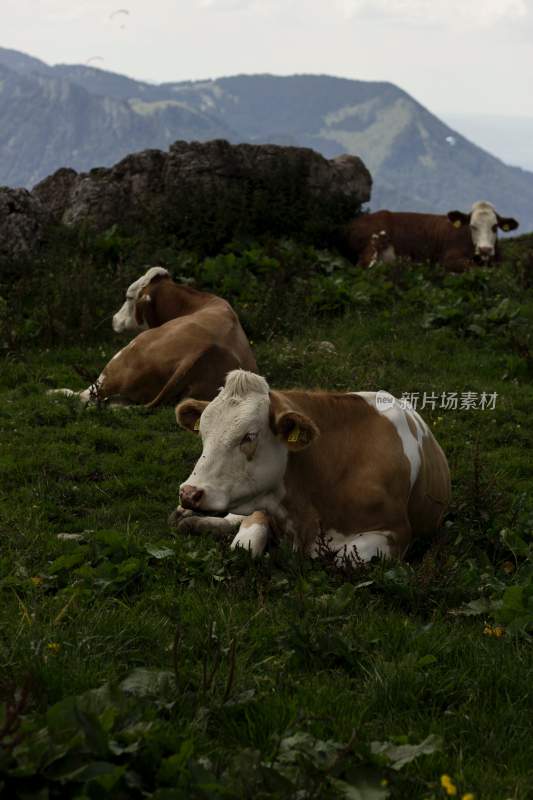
457 240
189 341
359 472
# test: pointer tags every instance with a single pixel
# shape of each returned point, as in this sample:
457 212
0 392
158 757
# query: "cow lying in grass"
457 240
355 470
193 340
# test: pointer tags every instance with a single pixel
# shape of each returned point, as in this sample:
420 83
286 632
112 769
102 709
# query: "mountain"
81 116
48 121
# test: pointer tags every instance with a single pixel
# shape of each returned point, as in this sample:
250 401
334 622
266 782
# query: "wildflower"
468 796
448 785
494 630
53 647
36 580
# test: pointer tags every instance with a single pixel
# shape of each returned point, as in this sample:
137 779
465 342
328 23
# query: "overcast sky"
452 55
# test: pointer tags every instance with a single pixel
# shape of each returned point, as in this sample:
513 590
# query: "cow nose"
485 251
190 496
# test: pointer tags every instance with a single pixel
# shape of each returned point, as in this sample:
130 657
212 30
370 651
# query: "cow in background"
356 472
189 341
457 240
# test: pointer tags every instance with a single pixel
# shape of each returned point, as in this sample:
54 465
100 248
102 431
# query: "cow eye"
249 445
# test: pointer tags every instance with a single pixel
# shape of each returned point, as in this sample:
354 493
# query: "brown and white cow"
356 470
187 356
456 240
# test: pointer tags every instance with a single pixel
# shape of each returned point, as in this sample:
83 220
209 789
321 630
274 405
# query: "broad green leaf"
400 755
148 682
159 552
360 791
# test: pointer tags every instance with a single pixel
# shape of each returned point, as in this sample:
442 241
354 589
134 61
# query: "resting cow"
357 471
456 240
187 356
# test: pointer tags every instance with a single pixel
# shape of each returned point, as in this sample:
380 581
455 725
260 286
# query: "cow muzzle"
190 496
485 253
118 325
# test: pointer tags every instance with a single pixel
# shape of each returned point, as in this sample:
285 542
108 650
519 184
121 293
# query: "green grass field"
135 663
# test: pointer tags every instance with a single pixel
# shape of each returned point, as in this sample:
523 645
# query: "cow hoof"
187 524
178 515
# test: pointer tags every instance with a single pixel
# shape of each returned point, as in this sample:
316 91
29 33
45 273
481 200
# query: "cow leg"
89 395
188 522
363 547
253 534
252 530
93 394
85 397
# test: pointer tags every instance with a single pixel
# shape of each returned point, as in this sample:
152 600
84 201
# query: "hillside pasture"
138 663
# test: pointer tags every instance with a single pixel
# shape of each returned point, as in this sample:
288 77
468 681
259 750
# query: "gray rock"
142 185
23 223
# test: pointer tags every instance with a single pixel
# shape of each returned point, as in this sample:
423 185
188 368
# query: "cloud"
438 13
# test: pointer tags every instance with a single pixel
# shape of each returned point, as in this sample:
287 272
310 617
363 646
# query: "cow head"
130 316
484 222
247 434
379 250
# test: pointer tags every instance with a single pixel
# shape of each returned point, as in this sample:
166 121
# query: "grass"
136 663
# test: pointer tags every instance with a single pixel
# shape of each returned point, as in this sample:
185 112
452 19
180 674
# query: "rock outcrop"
23 222
161 188
149 181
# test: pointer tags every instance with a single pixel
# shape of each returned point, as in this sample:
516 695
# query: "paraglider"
451 140
120 14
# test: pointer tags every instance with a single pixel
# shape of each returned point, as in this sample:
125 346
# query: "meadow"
135 662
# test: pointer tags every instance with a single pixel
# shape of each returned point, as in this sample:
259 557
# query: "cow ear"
458 219
141 307
507 223
188 414
138 310
296 430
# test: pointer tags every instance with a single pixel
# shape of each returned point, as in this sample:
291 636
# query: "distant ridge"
81 116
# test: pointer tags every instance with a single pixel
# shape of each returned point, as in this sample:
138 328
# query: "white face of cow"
484 222
125 319
245 447
242 461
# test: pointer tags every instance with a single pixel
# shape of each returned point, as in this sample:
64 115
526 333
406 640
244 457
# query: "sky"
456 56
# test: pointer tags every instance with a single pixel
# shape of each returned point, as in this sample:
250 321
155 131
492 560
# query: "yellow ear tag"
294 435
197 425
457 224
505 227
